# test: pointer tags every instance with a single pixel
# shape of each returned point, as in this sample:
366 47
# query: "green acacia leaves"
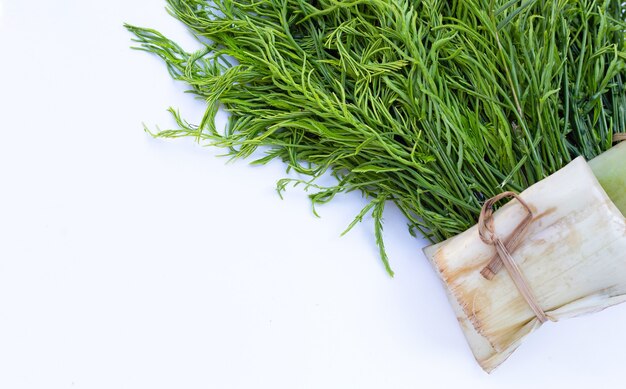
434 105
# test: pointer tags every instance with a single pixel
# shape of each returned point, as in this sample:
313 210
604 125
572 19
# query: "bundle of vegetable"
434 105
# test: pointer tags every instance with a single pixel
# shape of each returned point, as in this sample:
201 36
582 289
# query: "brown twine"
620 136
504 250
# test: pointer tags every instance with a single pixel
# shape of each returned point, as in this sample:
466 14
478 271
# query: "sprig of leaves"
435 105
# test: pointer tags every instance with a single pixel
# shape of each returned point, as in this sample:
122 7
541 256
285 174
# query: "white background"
130 262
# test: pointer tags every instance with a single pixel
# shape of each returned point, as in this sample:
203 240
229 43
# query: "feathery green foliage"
435 105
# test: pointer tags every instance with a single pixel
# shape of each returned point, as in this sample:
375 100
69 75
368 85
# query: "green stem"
610 170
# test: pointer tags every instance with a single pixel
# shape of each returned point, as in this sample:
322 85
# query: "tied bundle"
433 105
572 257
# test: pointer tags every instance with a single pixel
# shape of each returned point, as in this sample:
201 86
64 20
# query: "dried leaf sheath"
573 255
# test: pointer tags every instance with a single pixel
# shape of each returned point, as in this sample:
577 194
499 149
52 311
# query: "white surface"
128 262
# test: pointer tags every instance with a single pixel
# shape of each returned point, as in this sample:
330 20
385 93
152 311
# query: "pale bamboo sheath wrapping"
573 255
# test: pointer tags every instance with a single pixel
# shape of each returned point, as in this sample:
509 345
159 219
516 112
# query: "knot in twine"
486 231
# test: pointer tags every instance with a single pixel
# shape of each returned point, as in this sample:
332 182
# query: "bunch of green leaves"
434 105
